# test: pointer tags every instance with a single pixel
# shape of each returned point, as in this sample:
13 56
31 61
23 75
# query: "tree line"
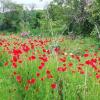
81 17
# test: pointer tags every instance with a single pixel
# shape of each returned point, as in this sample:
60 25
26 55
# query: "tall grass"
70 84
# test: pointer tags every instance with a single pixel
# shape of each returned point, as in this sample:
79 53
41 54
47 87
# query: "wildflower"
14 59
27 87
14 65
42 79
20 61
61 69
44 50
82 72
53 85
37 74
18 78
33 81
48 71
25 48
57 49
97 76
41 66
49 76
63 59
86 55
32 58
6 64
44 58
70 64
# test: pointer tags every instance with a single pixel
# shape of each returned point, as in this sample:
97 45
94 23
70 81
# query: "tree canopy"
81 17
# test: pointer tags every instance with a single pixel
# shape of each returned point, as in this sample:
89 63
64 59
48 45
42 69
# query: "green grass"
70 86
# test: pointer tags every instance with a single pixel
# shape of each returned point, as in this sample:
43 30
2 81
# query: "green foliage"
11 19
61 17
14 18
73 14
94 16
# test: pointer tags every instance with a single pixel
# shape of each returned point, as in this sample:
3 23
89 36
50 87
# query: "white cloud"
39 4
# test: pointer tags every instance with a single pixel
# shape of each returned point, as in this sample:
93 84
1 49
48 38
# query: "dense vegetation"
50 54
80 17
36 69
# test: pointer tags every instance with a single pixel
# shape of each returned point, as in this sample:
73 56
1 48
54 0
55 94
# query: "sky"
39 4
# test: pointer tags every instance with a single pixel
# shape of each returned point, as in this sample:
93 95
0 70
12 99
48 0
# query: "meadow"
50 68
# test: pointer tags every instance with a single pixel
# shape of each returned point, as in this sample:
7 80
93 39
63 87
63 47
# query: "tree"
12 14
73 14
94 11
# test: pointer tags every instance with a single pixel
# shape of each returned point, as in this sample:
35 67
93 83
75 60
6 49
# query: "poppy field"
49 68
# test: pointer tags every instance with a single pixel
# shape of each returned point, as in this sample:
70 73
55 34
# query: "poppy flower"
41 66
53 85
82 72
48 71
61 69
86 55
32 58
20 61
49 76
42 79
18 78
44 50
33 81
37 74
6 64
14 65
97 76
27 87
70 64
63 59
57 49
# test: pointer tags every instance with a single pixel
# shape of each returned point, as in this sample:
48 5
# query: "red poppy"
6 64
53 85
32 58
41 66
37 74
14 65
42 79
86 55
98 76
20 61
14 59
33 81
1 43
61 69
57 49
82 72
44 50
48 71
44 58
49 76
70 64
18 78
25 48
27 87
48 52
29 81
63 59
